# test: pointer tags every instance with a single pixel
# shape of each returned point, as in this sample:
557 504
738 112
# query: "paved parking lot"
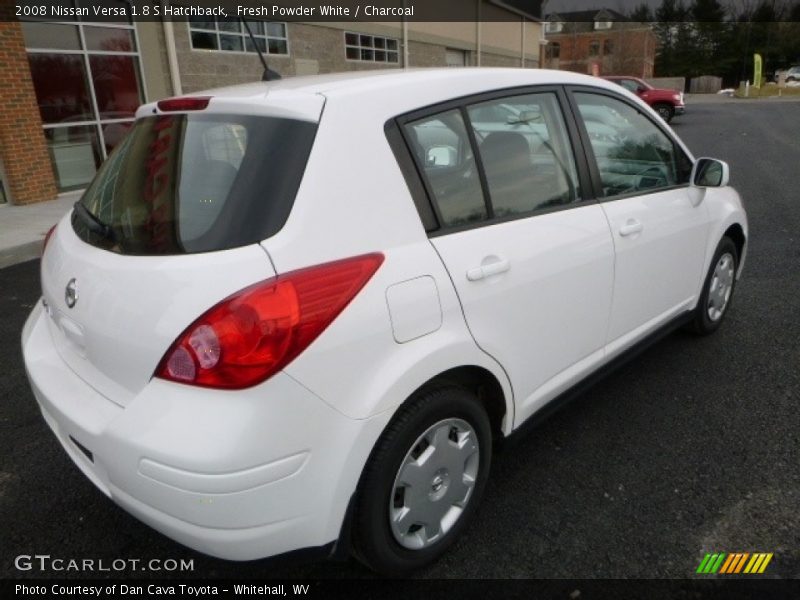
693 447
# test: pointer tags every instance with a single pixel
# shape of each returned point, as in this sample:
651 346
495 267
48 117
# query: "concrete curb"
20 254
22 228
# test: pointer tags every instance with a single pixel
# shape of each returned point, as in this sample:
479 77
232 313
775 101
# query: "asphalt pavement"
692 447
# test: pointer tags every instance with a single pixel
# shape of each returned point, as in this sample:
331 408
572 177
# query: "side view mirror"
710 172
641 89
441 156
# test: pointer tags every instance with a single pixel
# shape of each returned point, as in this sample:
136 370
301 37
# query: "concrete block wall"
312 49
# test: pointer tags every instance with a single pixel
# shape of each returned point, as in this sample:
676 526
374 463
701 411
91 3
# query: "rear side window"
196 183
441 145
525 151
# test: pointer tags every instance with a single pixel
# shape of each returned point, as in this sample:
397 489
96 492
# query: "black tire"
666 111
702 323
374 542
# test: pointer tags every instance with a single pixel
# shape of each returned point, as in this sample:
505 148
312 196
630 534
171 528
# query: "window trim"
245 37
414 179
591 159
575 141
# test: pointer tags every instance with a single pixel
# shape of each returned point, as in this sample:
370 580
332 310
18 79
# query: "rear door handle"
631 227
500 265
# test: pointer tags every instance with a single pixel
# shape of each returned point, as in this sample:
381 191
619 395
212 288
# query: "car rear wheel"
718 289
423 481
665 111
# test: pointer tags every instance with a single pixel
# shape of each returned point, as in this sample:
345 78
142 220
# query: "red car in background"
667 103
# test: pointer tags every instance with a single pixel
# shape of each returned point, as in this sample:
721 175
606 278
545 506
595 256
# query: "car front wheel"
717 289
423 481
665 111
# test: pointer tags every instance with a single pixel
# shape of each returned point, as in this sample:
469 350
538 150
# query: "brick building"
602 42
70 88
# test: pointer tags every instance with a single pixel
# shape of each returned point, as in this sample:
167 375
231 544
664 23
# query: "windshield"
195 183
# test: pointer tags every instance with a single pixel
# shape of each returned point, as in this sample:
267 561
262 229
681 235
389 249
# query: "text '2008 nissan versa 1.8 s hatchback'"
297 314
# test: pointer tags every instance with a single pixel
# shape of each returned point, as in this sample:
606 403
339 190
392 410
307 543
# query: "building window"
232 36
370 48
608 47
594 48
554 26
88 84
602 24
554 50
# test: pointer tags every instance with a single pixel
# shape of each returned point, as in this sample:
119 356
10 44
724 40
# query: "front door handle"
498 265
631 227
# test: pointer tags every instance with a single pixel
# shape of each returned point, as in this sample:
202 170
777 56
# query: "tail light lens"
47 237
255 333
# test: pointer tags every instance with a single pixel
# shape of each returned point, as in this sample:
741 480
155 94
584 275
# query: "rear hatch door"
169 227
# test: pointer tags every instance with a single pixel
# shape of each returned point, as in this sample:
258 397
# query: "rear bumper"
237 475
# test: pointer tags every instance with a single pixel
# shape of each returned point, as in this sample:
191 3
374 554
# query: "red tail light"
47 237
255 333
181 104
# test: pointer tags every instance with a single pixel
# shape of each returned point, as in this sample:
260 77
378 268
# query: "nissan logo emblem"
71 293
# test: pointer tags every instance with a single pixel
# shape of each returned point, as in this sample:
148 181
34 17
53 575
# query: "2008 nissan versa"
297 314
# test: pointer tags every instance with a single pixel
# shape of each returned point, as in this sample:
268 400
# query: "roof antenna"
269 74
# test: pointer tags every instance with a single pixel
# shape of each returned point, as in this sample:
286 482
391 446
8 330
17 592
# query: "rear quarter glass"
187 183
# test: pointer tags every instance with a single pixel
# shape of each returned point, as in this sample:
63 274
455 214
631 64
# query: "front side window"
524 148
441 146
632 153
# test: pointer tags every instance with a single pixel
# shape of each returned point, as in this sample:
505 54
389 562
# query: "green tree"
641 14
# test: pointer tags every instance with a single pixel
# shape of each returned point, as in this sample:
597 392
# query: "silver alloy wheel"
434 483
664 112
720 287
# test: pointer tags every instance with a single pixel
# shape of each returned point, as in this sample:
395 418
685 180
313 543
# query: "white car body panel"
660 268
557 287
101 338
272 468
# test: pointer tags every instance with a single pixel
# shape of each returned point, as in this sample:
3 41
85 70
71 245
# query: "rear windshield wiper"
94 224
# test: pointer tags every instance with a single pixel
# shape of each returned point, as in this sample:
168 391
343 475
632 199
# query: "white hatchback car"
297 314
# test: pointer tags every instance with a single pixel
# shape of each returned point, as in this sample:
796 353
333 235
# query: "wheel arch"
728 218
482 383
737 235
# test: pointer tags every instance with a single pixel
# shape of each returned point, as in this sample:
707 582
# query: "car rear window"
187 183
